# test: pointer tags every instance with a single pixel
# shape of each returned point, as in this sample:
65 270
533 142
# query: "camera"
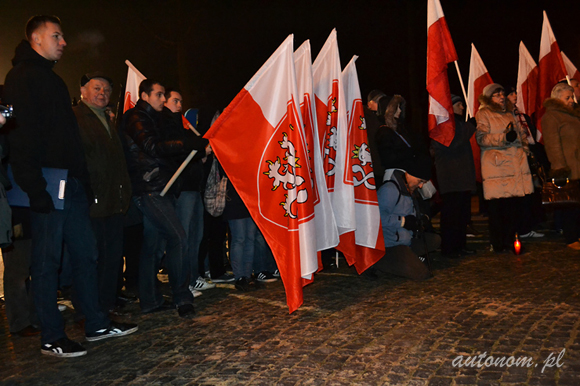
7 111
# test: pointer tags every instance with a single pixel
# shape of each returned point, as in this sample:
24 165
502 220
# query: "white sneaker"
195 292
532 234
201 284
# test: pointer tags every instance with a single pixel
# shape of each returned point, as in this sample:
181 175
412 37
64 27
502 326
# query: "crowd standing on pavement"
117 230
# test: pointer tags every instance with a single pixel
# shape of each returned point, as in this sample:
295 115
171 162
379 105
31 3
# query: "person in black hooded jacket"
45 134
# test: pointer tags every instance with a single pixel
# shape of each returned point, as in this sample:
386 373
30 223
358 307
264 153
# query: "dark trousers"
455 216
505 218
109 234
71 226
17 294
160 221
570 226
213 244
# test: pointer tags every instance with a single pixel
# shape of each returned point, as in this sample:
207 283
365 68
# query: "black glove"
41 203
411 223
511 136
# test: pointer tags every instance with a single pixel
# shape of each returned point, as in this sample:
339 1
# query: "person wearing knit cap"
402 221
456 179
504 166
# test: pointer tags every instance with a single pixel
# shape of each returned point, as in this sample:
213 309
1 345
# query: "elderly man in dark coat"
110 181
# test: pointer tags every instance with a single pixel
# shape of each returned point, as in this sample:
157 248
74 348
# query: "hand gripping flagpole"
178 172
464 93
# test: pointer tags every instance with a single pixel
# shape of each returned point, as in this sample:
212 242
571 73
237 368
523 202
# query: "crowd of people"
120 225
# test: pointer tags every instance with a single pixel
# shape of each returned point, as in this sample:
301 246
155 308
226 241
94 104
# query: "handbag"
214 197
561 193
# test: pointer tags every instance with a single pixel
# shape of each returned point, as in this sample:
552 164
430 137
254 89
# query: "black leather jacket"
150 150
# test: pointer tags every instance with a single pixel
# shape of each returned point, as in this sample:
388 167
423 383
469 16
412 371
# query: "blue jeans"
263 258
243 245
159 217
189 210
72 226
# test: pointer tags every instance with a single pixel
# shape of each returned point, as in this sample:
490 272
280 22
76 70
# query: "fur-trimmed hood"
487 103
395 102
557 105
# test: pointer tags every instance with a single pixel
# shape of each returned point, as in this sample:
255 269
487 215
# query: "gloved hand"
41 203
511 136
411 223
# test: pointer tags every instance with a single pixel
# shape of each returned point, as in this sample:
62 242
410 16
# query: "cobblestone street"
351 330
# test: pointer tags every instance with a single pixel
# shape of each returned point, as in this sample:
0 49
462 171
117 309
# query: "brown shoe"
27 331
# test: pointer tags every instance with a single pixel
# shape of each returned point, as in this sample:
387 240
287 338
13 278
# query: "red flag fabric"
570 67
527 84
478 78
440 51
551 68
370 244
134 79
326 230
260 143
332 131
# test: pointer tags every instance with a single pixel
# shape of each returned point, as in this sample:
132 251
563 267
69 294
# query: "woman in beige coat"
561 130
504 165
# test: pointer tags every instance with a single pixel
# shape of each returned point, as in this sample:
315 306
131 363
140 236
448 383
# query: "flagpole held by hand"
178 172
463 89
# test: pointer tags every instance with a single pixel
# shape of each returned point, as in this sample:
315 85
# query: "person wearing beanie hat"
402 220
504 165
455 171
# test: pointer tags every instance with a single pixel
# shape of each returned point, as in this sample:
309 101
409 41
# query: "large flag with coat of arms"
260 143
326 230
369 241
332 131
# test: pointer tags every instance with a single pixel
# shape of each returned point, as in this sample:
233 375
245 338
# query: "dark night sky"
210 49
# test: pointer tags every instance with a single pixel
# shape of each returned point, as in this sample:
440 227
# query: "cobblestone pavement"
351 330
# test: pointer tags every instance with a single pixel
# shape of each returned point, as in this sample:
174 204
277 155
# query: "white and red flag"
326 230
134 79
440 51
551 68
527 84
332 131
260 143
478 78
370 244
570 67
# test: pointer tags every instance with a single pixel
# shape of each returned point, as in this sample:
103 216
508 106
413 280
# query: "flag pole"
463 89
178 172
128 63
570 84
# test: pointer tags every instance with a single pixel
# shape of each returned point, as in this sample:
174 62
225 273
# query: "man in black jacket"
151 152
46 135
109 181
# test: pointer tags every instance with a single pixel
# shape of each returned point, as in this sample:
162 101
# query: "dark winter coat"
150 150
44 132
454 163
106 163
561 131
192 177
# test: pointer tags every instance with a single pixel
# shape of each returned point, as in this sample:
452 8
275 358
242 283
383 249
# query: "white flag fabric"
326 230
369 240
134 79
478 78
332 131
570 67
527 84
